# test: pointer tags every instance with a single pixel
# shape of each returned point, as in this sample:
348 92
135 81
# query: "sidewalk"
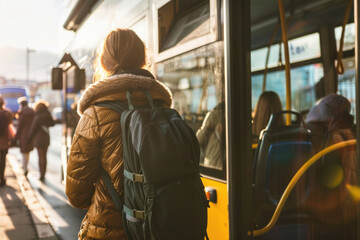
21 215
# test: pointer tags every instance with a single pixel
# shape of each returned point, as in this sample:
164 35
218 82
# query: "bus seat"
283 161
281 151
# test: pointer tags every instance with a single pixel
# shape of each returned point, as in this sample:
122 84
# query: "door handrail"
294 180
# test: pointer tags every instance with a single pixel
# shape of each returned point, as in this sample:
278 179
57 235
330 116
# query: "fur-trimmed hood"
114 88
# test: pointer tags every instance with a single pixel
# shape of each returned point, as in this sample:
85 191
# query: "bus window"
349 38
300 49
197 83
303 86
182 21
346 82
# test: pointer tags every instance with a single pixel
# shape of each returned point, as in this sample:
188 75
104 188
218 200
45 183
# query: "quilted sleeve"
83 168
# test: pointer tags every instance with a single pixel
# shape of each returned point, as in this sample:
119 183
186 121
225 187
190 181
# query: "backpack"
164 196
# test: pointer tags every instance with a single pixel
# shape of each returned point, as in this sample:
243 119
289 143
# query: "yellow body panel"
218 223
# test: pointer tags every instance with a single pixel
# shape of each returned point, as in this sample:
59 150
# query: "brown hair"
41 105
268 103
122 50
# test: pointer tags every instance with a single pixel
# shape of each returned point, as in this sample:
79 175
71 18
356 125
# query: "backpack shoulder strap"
117 106
114 195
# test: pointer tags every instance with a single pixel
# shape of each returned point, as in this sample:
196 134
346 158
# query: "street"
64 219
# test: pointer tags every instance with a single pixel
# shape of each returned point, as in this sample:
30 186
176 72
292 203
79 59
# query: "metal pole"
27 64
28 51
287 59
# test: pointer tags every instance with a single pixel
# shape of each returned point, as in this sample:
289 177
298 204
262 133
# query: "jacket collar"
114 88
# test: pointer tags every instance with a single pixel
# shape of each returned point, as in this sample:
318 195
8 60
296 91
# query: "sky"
34 24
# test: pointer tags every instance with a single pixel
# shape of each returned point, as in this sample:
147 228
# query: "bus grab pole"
287 60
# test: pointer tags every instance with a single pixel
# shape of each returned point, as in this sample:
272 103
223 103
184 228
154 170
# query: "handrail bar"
294 180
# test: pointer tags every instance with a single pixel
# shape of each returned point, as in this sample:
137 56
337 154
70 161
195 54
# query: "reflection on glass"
196 80
211 137
191 25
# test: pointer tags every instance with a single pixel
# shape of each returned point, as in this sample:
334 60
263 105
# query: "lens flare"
333 175
354 191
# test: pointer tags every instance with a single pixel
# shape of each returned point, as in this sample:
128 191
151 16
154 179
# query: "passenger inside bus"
268 103
211 137
330 122
320 89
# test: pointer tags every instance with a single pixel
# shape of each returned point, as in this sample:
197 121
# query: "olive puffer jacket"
97 144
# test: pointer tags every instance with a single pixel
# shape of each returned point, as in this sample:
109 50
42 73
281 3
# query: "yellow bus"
217 57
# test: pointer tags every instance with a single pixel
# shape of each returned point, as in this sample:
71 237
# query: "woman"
268 103
211 137
5 139
39 133
97 140
330 122
26 116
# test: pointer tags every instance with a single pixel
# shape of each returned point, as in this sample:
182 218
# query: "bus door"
324 202
190 32
196 80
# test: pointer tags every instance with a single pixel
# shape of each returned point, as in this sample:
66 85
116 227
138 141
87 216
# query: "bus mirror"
79 82
56 78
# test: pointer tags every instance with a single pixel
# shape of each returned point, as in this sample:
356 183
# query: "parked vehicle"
11 94
57 114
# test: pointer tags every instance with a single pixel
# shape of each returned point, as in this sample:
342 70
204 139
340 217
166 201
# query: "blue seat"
283 161
281 152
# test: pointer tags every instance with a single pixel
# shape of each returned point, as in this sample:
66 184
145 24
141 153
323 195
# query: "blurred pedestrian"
26 115
5 138
39 133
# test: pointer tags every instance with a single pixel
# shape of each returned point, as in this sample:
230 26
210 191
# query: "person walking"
39 133
97 140
5 138
26 115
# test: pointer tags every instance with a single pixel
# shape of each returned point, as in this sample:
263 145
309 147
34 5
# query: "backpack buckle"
134 215
138 178
139 214
134 176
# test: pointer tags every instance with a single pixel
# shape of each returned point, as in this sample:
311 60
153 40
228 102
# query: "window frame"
212 36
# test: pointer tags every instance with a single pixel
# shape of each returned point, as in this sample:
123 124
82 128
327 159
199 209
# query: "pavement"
22 217
64 220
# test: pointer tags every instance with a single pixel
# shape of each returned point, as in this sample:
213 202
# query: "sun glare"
31 24
354 191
